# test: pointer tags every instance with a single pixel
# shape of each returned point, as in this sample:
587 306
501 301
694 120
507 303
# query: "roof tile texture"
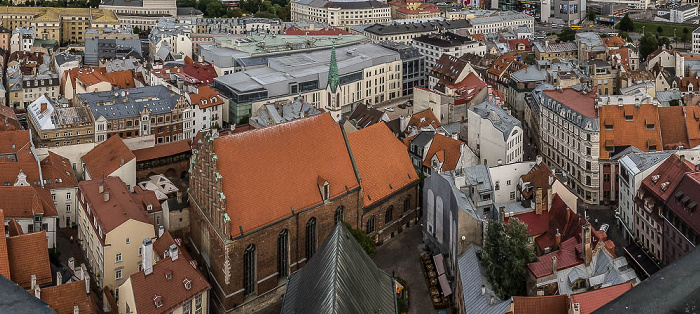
62 298
553 304
592 300
625 132
29 255
107 157
446 147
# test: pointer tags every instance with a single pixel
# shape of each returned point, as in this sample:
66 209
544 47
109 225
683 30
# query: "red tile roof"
552 304
202 71
629 133
536 224
163 244
692 120
513 44
674 131
145 198
469 87
58 172
64 297
14 228
448 149
29 255
88 76
4 259
205 97
382 161
107 157
662 181
163 150
286 160
538 176
592 300
121 79
685 194
326 31
8 119
614 41
424 119
172 292
567 257
120 207
583 104
15 156
26 201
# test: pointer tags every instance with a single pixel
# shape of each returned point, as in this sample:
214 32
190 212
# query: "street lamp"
643 26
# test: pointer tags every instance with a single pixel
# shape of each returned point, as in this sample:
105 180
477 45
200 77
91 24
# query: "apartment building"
173 36
433 46
23 89
60 179
142 14
55 125
402 9
64 25
368 73
407 30
570 138
205 111
111 228
239 26
341 13
115 43
502 21
413 67
681 230
153 112
494 135
22 39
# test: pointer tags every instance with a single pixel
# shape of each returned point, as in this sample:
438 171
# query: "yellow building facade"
64 25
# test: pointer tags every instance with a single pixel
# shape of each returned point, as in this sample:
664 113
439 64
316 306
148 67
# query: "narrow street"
401 256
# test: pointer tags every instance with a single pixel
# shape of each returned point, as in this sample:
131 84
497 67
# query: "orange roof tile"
172 292
107 157
583 104
163 150
15 156
449 148
202 71
614 41
592 300
163 244
424 119
552 304
14 228
326 31
692 120
624 132
29 255
25 201
121 79
64 297
286 160
8 119
145 198
57 172
382 162
91 76
674 131
662 181
4 259
120 207
206 97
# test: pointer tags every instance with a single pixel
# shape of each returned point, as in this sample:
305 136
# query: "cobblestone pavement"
401 255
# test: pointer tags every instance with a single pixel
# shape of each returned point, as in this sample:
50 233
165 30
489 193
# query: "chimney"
121 162
557 240
161 230
101 187
575 308
147 250
539 159
43 107
106 194
179 196
59 278
502 211
33 281
80 273
682 158
483 289
37 292
586 249
71 263
554 265
546 44
492 300
173 252
87 281
76 309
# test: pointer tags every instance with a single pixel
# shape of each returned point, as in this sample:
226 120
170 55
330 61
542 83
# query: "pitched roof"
202 71
58 172
662 181
15 299
14 228
614 41
551 304
423 119
8 119
567 257
121 79
119 208
287 159
4 259
382 162
685 200
16 155
583 104
628 132
692 120
107 157
472 275
365 116
674 132
359 285
326 31
64 297
448 148
26 201
593 300
29 255
206 97
171 291
162 150
536 224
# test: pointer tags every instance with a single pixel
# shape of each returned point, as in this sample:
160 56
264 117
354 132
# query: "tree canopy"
567 34
647 45
505 256
626 24
259 8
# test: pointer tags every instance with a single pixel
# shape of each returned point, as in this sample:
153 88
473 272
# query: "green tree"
505 256
365 241
187 3
626 24
659 29
591 16
567 34
625 36
664 41
647 45
215 9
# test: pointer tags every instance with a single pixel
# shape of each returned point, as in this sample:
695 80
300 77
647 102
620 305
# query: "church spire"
333 76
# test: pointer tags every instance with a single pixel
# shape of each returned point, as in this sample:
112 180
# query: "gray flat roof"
128 103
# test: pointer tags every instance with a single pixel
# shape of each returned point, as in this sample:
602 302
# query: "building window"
68 195
339 214
407 204
187 307
283 254
118 274
388 215
118 258
67 208
198 304
310 238
370 225
249 270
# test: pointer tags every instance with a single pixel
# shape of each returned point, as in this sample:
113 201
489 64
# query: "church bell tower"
332 89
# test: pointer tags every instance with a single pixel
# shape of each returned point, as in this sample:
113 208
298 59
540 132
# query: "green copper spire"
333 76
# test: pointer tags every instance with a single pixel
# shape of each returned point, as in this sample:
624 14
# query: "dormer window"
324 188
187 283
664 186
149 207
169 275
158 301
654 179
326 191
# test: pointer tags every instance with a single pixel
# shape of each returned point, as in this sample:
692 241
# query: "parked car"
390 109
604 227
402 106
409 103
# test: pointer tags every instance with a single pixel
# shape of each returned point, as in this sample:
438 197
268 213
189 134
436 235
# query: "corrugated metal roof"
340 278
472 275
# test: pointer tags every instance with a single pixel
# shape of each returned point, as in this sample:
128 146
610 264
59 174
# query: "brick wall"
383 230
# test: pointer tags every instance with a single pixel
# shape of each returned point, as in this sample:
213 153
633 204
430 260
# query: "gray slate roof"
500 119
340 278
17 300
406 28
344 4
128 103
472 275
423 138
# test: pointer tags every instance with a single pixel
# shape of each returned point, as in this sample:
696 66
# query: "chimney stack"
682 158
483 289
33 281
179 196
71 263
539 159
557 240
173 252
502 211
147 250
587 251
37 292
87 281
106 194
554 265
161 230
492 300
59 278
76 309
121 162
101 187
